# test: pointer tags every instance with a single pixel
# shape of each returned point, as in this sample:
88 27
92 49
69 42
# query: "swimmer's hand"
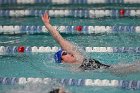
46 18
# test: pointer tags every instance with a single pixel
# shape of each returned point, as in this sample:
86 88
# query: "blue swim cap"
57 56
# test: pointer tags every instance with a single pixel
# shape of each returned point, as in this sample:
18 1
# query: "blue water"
93 40
42 64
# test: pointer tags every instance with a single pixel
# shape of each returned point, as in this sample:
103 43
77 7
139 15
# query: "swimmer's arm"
66 45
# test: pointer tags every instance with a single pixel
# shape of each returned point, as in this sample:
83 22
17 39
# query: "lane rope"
69 1
26 49
125 84
69 29
73 13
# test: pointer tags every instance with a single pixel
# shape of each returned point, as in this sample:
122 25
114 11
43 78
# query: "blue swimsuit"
92 64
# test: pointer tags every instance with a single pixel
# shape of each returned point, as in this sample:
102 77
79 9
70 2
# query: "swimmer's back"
92 64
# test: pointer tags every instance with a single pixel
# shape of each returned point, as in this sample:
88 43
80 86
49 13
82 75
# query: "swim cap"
57 56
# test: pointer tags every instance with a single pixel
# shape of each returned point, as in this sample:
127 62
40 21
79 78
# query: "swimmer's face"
67 57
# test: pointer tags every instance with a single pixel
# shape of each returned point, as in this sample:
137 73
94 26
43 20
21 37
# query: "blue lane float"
8 81
133 84
126 50
69 29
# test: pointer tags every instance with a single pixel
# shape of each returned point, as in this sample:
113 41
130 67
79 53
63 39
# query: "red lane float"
78 28
122 12
21 49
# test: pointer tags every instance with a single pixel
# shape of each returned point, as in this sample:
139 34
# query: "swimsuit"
92 64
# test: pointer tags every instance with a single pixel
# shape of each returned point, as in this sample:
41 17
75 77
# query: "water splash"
33 88
125 69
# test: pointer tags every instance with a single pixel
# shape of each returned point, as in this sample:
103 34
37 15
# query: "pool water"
42 64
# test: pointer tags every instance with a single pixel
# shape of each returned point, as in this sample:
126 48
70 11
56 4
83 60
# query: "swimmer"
69 53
